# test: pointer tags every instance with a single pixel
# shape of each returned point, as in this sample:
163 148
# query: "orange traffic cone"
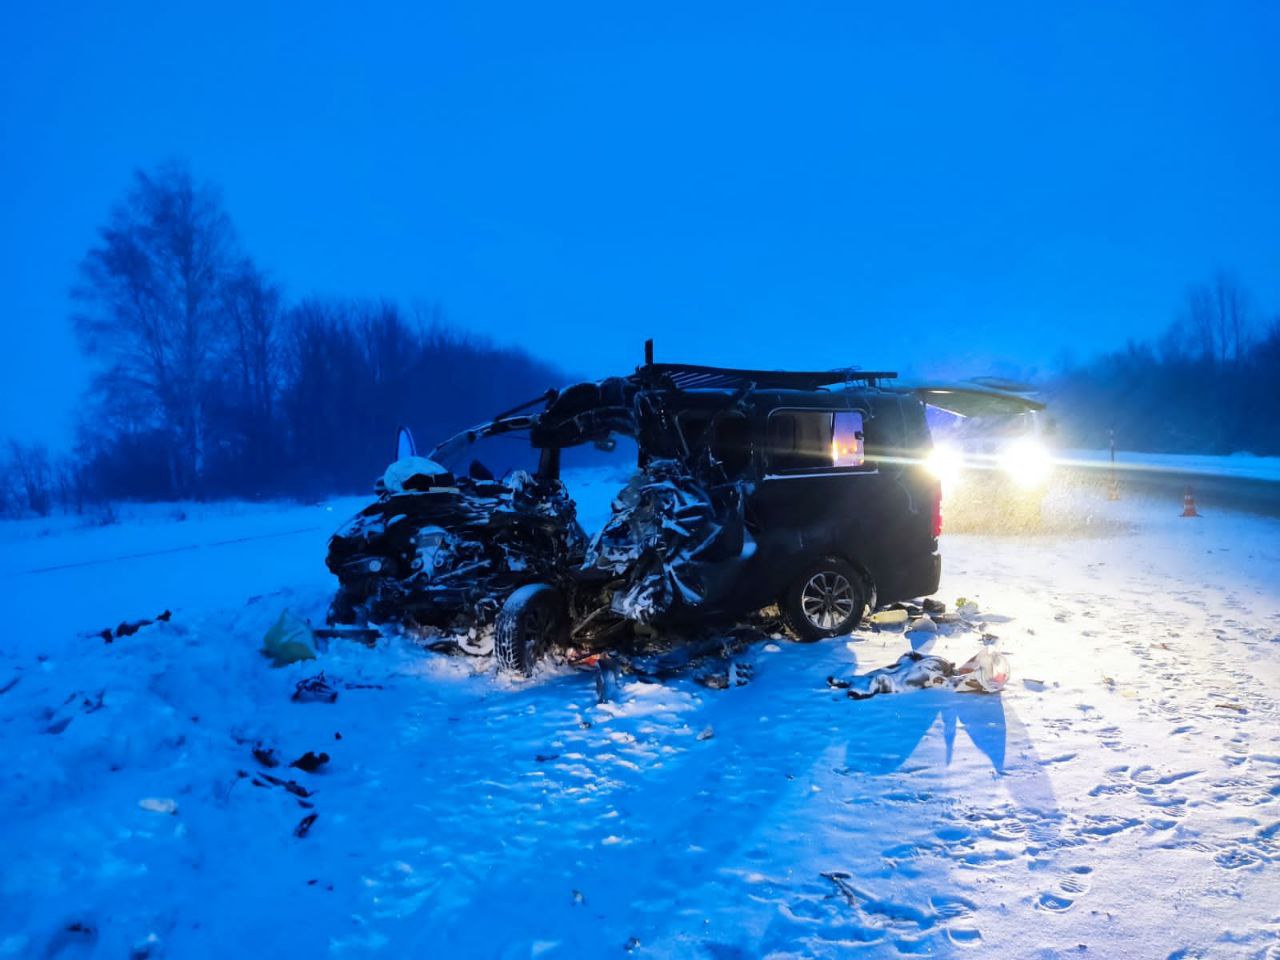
1189 504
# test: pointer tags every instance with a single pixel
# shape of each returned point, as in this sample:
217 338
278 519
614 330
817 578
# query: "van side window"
815 440
848 442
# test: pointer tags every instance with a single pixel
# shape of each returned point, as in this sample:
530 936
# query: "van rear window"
815 439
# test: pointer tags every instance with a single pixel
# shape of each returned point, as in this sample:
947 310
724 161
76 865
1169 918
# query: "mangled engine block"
433 550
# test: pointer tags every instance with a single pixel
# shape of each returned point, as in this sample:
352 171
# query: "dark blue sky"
947 188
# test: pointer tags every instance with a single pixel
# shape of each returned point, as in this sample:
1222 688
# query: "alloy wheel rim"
828 600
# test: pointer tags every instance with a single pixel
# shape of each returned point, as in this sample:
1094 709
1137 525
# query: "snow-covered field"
1121 798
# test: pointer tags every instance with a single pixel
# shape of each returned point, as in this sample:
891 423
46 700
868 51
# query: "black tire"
827 599
532 619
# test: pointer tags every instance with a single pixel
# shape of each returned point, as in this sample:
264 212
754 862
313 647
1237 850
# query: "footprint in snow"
1069 887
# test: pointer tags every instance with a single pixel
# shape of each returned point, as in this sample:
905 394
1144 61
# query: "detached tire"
826 600
532 619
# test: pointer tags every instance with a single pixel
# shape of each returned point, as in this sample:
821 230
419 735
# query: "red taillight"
937 511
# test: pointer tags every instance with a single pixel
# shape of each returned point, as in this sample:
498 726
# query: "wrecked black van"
753 490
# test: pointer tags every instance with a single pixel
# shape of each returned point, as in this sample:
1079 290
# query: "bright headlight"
945 463
1027 462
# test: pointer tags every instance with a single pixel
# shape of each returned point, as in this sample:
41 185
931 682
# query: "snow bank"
1121 794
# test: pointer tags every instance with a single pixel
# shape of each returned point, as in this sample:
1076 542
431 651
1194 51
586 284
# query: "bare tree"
253 315
1198 321
31 478
1217 319
152 296
1232 319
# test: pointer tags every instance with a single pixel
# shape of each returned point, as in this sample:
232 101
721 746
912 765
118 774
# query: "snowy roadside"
1243 466
1120 795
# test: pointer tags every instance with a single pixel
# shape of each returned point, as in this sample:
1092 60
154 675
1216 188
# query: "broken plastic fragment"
415 473
288 640
987 671
885 618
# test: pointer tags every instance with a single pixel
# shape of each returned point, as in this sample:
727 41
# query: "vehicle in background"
991 451
804 491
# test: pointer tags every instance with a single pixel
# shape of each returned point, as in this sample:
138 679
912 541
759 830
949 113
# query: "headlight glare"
1027 462
945 463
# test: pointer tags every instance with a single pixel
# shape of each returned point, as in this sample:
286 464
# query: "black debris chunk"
128 628
314 690
265 755
366 635
546 757
304 825
310 762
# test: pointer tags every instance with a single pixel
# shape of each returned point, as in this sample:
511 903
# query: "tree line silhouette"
209 384
1210 384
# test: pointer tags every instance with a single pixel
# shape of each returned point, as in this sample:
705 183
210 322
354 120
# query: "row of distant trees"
1209 384
210 383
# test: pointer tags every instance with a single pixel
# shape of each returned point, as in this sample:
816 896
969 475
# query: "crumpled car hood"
445 549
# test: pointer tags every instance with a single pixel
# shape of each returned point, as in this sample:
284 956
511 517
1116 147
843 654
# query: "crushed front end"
444 551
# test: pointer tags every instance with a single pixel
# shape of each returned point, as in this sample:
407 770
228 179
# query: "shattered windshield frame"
505 442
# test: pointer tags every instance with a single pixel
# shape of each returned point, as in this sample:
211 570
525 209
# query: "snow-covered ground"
1121 798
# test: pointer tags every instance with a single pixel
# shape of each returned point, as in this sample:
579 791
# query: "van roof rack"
690 376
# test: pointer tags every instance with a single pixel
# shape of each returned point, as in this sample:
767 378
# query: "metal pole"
1113 487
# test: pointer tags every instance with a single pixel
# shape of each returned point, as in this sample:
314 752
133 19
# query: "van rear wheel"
532 619
827 599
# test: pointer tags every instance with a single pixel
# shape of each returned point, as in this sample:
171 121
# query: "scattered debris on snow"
310 762
986 672
305 824
159 805
314 690
129 627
